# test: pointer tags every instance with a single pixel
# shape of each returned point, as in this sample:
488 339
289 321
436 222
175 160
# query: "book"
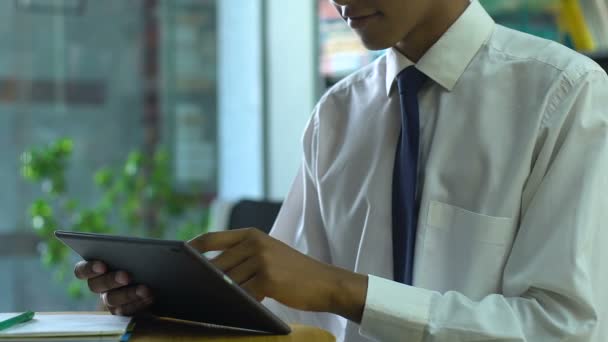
67 327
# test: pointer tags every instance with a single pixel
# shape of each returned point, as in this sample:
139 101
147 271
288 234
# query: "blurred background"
157 118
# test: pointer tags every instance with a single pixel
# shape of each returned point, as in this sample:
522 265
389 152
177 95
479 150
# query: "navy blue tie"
405 207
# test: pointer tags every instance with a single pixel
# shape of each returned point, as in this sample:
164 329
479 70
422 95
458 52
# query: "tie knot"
410 80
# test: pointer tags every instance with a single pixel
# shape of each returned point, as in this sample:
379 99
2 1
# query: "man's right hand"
115 290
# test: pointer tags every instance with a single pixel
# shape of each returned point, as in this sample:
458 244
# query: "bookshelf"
580 24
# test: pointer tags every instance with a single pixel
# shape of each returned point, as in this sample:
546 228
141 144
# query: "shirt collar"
449 57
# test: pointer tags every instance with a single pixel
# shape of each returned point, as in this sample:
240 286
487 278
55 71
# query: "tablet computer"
185 284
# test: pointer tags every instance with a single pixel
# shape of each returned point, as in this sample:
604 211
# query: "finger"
254 287
232 257
244 272
133 307
219 241
89 269
126 295
109 281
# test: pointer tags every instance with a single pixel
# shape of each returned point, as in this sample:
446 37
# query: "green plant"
137 199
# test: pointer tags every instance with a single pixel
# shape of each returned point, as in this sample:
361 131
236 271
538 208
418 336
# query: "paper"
66 325
113 338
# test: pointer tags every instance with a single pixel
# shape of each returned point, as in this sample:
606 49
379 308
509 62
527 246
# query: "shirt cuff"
394 311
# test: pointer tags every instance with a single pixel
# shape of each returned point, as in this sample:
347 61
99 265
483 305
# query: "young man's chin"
375 44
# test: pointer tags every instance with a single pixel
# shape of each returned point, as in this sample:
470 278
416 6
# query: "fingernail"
98 268
122 278
142 292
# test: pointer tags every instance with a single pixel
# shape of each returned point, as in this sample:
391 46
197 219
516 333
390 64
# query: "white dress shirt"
513 182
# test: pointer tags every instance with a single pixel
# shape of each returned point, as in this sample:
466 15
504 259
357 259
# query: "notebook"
67 327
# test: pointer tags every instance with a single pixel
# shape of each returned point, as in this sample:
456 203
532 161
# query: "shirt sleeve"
553 286
300 225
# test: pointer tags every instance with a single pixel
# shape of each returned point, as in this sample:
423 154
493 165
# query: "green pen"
24 317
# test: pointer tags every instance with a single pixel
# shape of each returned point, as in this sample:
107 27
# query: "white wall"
292 86
240 99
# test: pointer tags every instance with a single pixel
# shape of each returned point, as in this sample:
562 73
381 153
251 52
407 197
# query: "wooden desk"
166 332
157 331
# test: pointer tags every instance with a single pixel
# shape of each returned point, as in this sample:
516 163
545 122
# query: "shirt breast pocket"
463 251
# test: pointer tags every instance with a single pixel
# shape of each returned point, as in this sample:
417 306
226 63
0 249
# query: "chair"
250 213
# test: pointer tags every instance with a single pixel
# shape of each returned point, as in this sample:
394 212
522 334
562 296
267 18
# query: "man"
454 190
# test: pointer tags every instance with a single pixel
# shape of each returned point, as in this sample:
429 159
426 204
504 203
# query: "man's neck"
431 28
